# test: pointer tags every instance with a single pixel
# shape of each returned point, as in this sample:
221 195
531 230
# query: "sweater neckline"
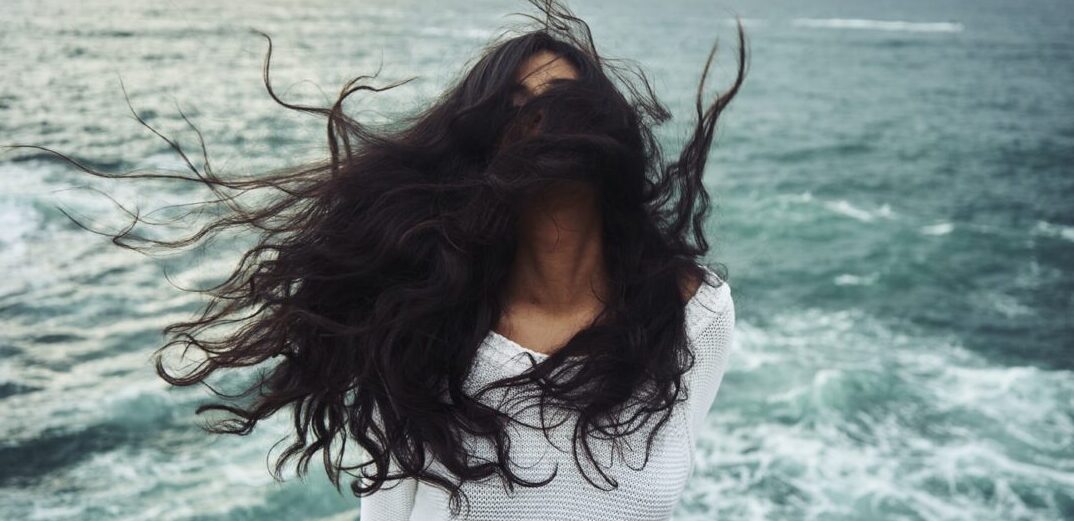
509 350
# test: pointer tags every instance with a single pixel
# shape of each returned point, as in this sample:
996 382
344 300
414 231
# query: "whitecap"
880 25
844 207
1054 230
859 418
942 228
17 221
847 279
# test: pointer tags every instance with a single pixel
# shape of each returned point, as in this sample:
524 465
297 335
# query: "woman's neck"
559 262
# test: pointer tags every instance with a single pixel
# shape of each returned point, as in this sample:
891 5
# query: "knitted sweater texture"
646 490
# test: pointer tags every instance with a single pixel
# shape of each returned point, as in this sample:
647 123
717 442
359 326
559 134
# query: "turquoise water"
893 192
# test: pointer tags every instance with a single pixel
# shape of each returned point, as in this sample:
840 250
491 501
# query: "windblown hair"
377 273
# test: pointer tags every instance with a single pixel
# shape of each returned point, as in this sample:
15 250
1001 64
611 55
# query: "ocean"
892 193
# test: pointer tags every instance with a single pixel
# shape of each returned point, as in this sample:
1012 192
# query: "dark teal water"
893 192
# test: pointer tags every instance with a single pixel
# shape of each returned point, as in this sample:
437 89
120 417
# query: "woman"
498 300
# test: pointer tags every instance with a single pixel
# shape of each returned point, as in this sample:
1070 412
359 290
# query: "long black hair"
377 273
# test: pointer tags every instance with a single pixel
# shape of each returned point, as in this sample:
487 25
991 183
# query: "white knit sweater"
649 493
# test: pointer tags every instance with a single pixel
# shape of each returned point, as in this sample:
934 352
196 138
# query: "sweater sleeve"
391 503
711 326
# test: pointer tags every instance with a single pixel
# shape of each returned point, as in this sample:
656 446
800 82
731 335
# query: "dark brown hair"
375 275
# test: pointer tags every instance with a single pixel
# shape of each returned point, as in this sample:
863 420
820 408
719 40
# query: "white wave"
17 221
18 218
223 477
171 162
860 419
943 228
1054 230
879 25
840 206
847 279
1010 306
844 207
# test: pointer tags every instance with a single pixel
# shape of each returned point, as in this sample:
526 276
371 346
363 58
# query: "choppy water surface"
893 195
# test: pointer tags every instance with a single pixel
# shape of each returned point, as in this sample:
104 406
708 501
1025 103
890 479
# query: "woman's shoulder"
709 298
705 286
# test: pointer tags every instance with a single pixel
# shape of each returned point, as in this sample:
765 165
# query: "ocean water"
893 196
